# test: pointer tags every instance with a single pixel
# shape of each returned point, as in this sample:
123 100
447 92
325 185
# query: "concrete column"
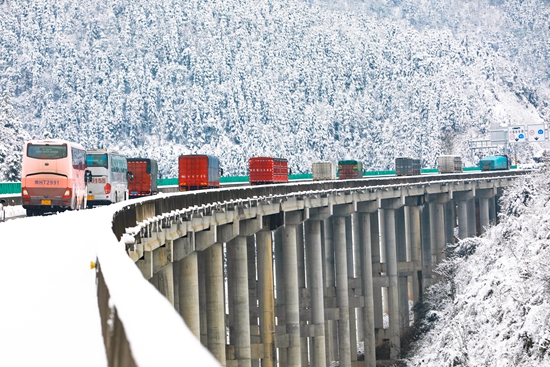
202 298
292 300
163 281
437 231
368 239
238 280
426 246
472 230
415 239
357 270
315 285
300 254
280 292
485 196
331 334
391 267
375 232
401 253
253 294
400 235
189 292
463 231
215 302
266 297
351 275
450 221
342 294
483 213
492 210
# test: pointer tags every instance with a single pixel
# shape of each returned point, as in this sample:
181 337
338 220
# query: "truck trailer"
321 171
405 166
494 163
267 170
449 164
198 171
350 169
144 174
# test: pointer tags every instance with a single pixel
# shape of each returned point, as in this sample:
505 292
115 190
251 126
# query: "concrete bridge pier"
401 243
282 340
484 196
367 240
291 289
414 238
388 208
351 275
301 269
437 225
358 273
215 301
188 292
465 211
315 284
266 296
426 245
493 209
450 221
342 290
239 307
331 325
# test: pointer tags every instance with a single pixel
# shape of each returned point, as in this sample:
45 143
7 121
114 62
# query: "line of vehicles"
59 175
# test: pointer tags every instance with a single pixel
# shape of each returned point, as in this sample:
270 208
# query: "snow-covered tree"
12 140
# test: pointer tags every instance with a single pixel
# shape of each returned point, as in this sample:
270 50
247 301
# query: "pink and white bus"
53 176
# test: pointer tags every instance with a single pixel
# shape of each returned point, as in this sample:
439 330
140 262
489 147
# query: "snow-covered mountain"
492 306
304 80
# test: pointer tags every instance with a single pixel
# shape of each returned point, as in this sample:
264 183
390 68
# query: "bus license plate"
90 197
46 202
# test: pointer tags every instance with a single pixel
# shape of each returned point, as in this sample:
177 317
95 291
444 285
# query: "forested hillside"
491 306
308 81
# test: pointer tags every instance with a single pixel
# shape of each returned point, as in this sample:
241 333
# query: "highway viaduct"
297 274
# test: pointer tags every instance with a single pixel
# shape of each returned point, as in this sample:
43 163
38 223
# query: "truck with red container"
144 174
267 170
198 171
350 169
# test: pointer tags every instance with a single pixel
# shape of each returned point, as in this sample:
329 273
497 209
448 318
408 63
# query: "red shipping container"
267 170
198 171
144 172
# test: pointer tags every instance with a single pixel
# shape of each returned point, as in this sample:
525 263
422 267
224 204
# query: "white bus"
53 176
109 182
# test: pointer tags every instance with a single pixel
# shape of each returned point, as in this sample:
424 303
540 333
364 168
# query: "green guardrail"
10 188
429 170
300 176
233 179
378 173
167 181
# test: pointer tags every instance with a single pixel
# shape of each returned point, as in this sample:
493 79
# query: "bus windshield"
97 160
47 151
